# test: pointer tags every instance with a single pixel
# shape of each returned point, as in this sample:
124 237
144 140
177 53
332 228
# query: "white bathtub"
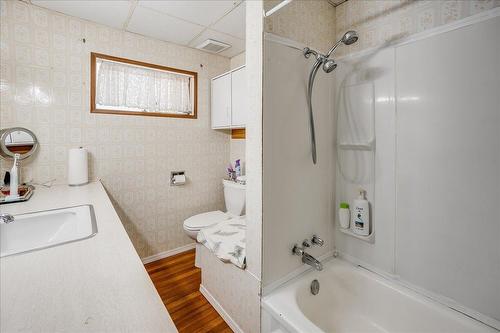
352 299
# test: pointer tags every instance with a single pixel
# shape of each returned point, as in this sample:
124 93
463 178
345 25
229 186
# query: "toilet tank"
234 195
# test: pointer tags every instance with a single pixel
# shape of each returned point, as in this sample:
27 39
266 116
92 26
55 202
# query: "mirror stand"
16 144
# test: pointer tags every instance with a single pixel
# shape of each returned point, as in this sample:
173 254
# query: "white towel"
226 240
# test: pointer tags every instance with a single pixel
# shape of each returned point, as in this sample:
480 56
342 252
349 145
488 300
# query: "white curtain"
126 86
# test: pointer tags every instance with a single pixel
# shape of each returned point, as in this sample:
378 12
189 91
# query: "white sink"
40 230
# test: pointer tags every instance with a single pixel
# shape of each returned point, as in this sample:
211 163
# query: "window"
122 86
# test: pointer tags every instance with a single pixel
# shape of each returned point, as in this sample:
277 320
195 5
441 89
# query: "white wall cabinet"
239 101
221 101
229 99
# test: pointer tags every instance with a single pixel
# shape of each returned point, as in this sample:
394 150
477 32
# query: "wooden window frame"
93 79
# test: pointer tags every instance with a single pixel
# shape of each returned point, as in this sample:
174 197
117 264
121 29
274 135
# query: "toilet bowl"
234 196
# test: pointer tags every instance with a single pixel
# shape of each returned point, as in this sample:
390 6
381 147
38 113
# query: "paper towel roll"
78 166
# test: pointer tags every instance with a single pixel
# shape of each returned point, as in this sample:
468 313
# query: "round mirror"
17 140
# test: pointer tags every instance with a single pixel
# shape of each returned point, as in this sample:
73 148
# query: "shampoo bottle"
360 219
344 215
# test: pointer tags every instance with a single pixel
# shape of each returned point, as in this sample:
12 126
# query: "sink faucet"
6 218
306 257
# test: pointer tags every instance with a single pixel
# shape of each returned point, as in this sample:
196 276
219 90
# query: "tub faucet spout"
307 258
311 261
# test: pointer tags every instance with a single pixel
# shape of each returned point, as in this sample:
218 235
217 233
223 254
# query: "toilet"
234 196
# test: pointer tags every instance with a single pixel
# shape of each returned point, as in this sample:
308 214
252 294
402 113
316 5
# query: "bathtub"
352 299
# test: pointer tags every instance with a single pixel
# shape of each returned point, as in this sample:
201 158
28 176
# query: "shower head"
329 65
350 37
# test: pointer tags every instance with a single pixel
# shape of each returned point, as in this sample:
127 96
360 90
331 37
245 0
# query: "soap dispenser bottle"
360 218
14 180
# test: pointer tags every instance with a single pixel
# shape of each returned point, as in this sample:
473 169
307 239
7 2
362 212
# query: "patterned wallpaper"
311 22
238 60
44 86
379 22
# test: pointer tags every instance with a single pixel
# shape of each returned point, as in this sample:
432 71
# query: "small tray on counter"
25 193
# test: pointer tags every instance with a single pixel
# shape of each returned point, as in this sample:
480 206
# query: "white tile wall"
44 86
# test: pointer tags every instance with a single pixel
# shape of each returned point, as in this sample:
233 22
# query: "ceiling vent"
213 46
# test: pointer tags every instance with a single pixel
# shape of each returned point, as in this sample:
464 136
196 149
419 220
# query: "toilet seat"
203 220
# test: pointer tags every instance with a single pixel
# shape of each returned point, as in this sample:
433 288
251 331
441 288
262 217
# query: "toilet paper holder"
177 178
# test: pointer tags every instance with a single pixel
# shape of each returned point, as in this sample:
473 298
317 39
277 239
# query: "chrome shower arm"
334 47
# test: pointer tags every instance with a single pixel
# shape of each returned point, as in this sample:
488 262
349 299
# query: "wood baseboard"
168 253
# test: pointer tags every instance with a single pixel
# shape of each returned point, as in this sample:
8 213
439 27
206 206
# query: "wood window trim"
94 109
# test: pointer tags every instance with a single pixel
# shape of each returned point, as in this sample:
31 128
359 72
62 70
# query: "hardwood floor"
177 281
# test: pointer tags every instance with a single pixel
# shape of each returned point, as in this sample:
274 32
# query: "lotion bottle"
360 218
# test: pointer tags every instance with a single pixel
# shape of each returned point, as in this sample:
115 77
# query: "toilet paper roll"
179 179
78 166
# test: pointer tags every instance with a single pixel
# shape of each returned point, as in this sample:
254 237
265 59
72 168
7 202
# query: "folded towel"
226 240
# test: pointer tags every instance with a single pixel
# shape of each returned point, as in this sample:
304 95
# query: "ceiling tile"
233 23
110 13
157 25
203 12
237 44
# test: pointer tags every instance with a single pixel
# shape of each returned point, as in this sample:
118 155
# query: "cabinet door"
221 101
239 101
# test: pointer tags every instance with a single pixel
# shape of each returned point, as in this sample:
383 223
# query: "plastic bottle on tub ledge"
360 218
344 215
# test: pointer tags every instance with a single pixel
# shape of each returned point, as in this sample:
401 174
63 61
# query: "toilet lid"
204 220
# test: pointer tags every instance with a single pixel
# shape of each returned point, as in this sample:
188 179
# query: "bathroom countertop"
93 285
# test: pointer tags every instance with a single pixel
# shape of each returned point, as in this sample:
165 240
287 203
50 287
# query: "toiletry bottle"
344 215
230 172
237 168
360 223
14 180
